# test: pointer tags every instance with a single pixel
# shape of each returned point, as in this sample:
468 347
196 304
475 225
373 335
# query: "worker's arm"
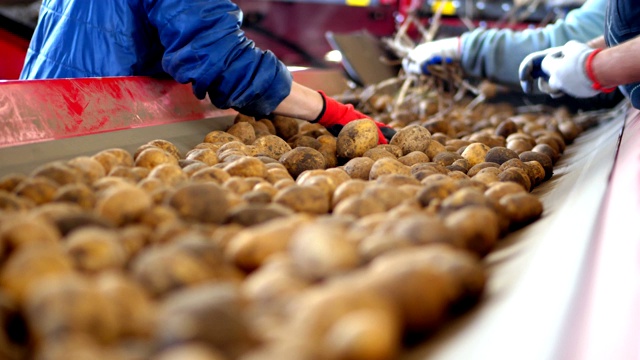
496 54
618 65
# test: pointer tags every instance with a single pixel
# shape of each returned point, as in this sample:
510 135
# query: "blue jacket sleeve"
496 54
205 46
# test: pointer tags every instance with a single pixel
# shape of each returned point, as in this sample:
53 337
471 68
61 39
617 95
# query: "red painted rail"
41 110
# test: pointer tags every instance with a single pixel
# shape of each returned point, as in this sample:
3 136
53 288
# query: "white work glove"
434 52
567 72
530 72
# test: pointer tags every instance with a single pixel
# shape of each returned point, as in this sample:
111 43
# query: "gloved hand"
531 72
430 53
335 115
567 69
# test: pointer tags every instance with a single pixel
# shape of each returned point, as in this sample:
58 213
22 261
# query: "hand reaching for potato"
335 115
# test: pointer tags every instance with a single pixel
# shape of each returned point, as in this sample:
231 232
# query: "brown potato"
78 193
412 138
521 208
40 190
356 138
10 181
359 168
476 228
90 168
201 202
123 204
154 156
58 172
300 159
95 249
475 153
271 146
307 199
286 127
243 131
247 167
386 166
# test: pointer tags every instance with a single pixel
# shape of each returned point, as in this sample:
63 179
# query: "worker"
496 54
585 71
197 42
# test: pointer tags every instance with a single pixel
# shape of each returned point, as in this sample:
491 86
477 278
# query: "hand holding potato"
335 115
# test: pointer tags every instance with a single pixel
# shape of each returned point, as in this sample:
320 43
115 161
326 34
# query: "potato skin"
356 138
301 159
412 138
203 202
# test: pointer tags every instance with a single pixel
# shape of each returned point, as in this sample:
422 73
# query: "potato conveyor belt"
564 287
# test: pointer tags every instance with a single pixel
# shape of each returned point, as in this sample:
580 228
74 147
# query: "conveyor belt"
550 284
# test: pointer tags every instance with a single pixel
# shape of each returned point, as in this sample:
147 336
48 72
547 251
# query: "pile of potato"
270 240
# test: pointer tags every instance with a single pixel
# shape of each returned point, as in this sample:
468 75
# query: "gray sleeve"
495 54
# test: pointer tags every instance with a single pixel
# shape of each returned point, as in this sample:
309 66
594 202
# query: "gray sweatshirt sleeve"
495 54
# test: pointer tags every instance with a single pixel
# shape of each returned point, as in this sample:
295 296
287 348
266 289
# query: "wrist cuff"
324 107
589 70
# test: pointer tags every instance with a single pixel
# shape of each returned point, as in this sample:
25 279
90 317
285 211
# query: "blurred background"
296 31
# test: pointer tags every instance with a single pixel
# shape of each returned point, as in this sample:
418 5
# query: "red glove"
335 115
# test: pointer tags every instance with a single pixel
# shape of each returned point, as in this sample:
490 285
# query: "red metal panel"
13 50
39 110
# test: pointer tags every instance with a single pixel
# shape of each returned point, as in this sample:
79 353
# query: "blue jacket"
193 41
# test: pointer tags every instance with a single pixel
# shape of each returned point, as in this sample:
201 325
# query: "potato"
475 153
307 199
319 252
30 266
170 174
476 228
378 153
247 167
191 351
446 158
414 157
189 261
496 191
21 231
297 160
78 193
210 174
356 138
243 131
286 127
134 174
58 172
123 204
358 206
359 168
230 334
249 249
516 175
219 137
10 181
543 159
10 202
154 156
412 138
478 167
499 155
68 305
386 166
348 324
271 146
94 249
200 202
253 214
107 160
40 190
521 208
134 311
207 156
90 169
